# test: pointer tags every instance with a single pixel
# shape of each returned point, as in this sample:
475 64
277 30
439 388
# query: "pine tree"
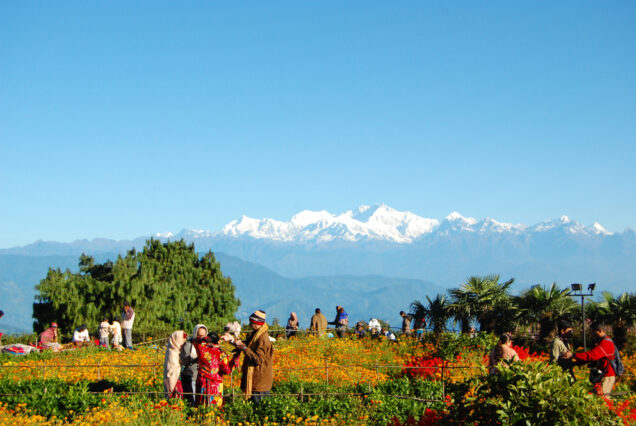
167 284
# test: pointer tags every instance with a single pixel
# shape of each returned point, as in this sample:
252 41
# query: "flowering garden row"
71 387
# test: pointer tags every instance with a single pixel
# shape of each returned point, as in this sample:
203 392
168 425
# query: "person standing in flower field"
104 331
406 324
560 350
341 321
318 324
601 372
171 365
115 329
189 360
292 325
258 371
213 364
127 321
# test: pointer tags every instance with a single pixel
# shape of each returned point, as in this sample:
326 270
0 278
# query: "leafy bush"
528 393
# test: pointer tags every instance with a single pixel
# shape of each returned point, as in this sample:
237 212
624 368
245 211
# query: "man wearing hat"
258 371
48 339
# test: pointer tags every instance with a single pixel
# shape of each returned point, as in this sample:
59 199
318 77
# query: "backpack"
617 363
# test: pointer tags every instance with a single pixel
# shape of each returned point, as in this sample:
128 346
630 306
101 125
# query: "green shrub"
528 393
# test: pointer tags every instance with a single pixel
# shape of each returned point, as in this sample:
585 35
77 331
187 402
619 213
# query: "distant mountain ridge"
256 286
380 241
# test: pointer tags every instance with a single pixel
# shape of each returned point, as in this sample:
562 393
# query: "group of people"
318 326
194 367
602 358
121 333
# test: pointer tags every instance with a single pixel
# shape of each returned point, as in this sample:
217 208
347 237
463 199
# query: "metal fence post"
443 390
232 384
327 370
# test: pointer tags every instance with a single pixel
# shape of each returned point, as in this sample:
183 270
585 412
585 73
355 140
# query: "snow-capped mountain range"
374 223
364 258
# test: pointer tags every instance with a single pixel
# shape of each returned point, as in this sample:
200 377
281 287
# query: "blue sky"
122 119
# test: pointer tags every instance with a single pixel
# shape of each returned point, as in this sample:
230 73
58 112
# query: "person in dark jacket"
257 368
188 358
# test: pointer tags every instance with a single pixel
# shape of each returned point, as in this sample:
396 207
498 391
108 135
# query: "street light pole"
577 290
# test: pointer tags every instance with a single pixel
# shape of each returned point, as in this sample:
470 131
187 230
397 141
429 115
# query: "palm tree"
436 311
479 298
544 306
619 312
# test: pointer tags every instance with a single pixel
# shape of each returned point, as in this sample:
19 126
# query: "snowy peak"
379 223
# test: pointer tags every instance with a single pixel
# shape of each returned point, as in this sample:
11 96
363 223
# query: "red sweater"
603 352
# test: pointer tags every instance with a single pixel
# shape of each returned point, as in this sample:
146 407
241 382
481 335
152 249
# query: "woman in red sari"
213 364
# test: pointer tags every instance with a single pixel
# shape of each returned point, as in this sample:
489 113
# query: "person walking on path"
341 321
189 360
172 366
213 364
600 356
127 321
318 325
560 350
502 352
258 372
292 325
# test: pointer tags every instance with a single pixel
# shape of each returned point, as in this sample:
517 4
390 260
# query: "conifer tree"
168 284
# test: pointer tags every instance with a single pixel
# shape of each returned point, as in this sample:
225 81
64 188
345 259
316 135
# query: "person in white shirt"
374 327
127 320
115 329
80 336
104 330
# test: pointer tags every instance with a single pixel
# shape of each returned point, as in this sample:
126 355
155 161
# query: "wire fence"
443 369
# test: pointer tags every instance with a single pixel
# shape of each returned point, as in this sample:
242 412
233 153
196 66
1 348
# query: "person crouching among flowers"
213 363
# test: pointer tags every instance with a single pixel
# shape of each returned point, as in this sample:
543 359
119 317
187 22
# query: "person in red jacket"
602 353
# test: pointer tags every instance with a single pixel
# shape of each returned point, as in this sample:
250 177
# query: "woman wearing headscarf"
213 364
292 325
188 358
171 365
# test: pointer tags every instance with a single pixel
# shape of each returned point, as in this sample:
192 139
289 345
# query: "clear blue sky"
121 119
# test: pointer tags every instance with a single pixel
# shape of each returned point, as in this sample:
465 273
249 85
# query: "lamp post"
577 291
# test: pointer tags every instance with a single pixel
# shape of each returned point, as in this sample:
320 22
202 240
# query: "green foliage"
528 393
450 345
483 299
544 306
437 311
168 285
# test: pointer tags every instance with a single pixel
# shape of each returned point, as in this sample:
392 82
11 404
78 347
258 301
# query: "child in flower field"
115 329
213 364
104 330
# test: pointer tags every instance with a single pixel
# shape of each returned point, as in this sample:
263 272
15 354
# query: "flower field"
441 379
